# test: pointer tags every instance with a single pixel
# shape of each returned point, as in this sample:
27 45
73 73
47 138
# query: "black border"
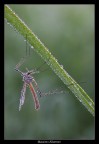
2 64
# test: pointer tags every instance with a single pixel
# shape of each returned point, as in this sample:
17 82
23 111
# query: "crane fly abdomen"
35 98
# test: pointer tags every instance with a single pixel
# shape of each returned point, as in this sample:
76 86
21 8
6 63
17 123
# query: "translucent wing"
22 98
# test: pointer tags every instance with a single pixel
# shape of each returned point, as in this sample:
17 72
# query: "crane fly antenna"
20 63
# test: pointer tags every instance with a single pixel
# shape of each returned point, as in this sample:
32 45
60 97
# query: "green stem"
38 46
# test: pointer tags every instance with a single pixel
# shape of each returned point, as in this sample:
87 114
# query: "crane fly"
28 80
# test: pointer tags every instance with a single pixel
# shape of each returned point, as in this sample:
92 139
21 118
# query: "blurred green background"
68 32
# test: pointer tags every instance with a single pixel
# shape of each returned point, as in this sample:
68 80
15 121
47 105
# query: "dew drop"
90 103
32 47
77 88
62 66
56 60
8 22
68 75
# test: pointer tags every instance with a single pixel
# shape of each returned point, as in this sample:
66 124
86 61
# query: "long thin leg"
33 71
56 91
36 101
20 63
37 88
53 92
22 98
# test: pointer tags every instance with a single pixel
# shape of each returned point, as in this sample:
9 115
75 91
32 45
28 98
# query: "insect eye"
28 73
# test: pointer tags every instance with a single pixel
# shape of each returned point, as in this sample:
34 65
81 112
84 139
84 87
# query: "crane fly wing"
35 98
22 98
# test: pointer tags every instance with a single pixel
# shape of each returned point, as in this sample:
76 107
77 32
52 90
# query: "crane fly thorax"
27 78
